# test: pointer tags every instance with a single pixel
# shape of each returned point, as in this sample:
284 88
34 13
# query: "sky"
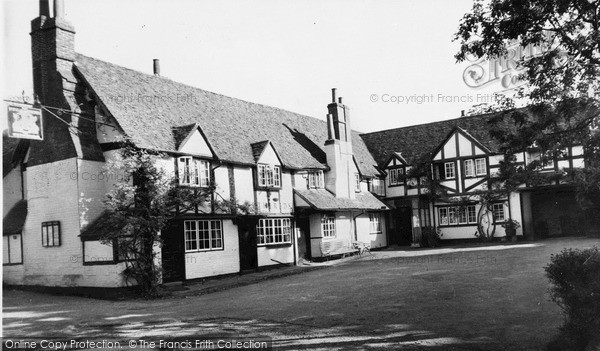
392 61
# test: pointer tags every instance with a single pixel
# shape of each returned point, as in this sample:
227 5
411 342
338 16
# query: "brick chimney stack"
53 55
338 148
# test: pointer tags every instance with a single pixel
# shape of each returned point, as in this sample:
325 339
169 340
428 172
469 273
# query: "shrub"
510 227
575 275
430 237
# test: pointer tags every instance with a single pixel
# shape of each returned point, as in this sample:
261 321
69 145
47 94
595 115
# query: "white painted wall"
273 255
196 145
218 262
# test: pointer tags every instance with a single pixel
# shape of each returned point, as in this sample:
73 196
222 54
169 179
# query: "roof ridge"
200 89
482 115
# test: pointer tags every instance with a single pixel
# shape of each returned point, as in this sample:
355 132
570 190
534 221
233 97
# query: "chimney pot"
44 8
340 100
334 94
59 8
156 67
462 113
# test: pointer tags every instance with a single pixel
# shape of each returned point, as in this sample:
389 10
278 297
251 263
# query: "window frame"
193 172
394 175
328 227
209 229
315 180
471 168
446 164
274 231
500 206
56 236
268 175
484 166
467 212
375 223
357 182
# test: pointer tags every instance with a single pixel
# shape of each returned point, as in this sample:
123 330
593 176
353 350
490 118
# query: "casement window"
315 180
443 215
328 226
357 182
272 231
498 211
203 235
12 249
449 171
469 168
395 176
471 214
457 215
377 187
452 219
193 172
269 176
374 223
50 234
480 168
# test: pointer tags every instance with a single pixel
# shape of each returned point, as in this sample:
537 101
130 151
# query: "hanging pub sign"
24 121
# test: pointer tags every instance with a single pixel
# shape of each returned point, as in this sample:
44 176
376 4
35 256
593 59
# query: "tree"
563 80
144 200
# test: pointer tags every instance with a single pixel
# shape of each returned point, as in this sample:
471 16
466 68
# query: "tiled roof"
419 141
322 199
14 220
13 151
146 106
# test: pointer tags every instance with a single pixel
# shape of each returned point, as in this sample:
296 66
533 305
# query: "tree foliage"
563 82
141 204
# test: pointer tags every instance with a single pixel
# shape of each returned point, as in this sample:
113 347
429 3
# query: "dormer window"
193 172
269 176
315 180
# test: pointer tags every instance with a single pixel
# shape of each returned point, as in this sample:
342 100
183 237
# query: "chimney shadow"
315 150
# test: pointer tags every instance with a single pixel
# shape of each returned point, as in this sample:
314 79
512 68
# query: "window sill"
206 250
274 245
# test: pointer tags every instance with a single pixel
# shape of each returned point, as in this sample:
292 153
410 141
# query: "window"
203 235
469 168
395 175
50 234
271 231
194 172
328 226
462 216
377 187
357 182
480 166
315 180
449 170
269 176
457 215
452 215
374 223
443 215
498 210
471 214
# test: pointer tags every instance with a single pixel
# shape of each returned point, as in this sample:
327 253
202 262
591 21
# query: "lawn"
460 298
